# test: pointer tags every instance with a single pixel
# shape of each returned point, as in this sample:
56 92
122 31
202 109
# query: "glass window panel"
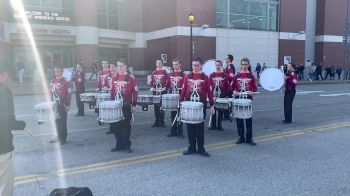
258 9
102 21
51 3
238 21
239 6
102 6
67 4
221 6
273 24
113 7
221 20
113 22
258 23
274 11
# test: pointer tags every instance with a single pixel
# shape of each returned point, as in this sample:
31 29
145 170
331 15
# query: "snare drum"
110 111
101 97
46 111
191 112
87 97
157 99
145 99
170 102
243 108
222 104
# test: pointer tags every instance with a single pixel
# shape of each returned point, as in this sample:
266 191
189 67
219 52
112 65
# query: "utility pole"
346 42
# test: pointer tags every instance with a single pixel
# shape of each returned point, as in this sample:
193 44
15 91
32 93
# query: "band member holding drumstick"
289 93
109 85
244 79
219 81
201 81
158 86
230 71
102 76
174 86
79 82
61 93
124 88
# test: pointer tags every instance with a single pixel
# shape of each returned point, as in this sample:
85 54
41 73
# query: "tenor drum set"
46 111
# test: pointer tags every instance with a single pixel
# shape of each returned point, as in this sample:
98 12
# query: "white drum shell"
145 99
222 104
87 97
191 112
242 108
46 111
271 79
170 101
110 111
101 97
157 99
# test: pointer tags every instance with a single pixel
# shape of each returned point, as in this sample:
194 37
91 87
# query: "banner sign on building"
45 16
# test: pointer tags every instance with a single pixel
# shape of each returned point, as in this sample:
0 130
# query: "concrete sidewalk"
39 88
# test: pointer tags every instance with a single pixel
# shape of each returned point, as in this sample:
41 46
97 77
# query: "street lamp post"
346 42
191 19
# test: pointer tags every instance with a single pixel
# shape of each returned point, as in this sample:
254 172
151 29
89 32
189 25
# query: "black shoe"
109 132
251 142
162 125
286 121
240 141
128 150
115 149
54 140
79 115
212 128
63 142
171 135
204 153
188 152
155 125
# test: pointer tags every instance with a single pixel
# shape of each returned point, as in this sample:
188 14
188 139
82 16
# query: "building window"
247 14
57 12
111 14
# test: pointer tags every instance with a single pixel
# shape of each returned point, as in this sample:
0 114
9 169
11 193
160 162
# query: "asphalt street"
308 157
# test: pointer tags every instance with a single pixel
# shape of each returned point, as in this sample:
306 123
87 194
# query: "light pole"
346 42
191 19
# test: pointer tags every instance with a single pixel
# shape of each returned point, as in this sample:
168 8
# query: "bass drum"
209 67
271 79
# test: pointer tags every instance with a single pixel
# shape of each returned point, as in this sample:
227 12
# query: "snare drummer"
124 87
247 78
109 85
197 80
219 81
158 86
230 71
79 82
102 76
174 85
61 93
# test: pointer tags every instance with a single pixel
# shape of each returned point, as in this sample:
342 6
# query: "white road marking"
307 92
334 95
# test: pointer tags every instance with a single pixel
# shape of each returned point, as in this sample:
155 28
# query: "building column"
86 31
310 31
5 47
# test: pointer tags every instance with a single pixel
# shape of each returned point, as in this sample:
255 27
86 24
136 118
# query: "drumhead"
45 105
110 104
191 104
170 96
88 94
222 100
209 67
272 79
242 102
103 95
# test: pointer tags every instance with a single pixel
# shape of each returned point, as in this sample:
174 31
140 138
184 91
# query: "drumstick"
133 118
175 119
210 119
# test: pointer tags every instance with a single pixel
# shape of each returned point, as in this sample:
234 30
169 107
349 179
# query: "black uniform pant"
176 128
159 114
61 123
196 136
217 117
122 129
240 128
228 112
80 105
288 101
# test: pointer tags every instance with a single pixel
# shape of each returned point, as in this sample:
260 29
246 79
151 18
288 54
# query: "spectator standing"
94 69
20 68
258 70
338 71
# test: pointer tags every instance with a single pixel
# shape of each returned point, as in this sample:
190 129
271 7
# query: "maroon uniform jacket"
105 82
179 77
163 78
129 89
79 80
230 71
250 86
204 88
291 81
61 91
223 83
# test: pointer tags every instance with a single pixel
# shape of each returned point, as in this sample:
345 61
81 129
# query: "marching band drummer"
102 76
219 81
174 85
79 82
230 71
158 86
61 93
109 85
128 92
196 131
244 79
289 93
